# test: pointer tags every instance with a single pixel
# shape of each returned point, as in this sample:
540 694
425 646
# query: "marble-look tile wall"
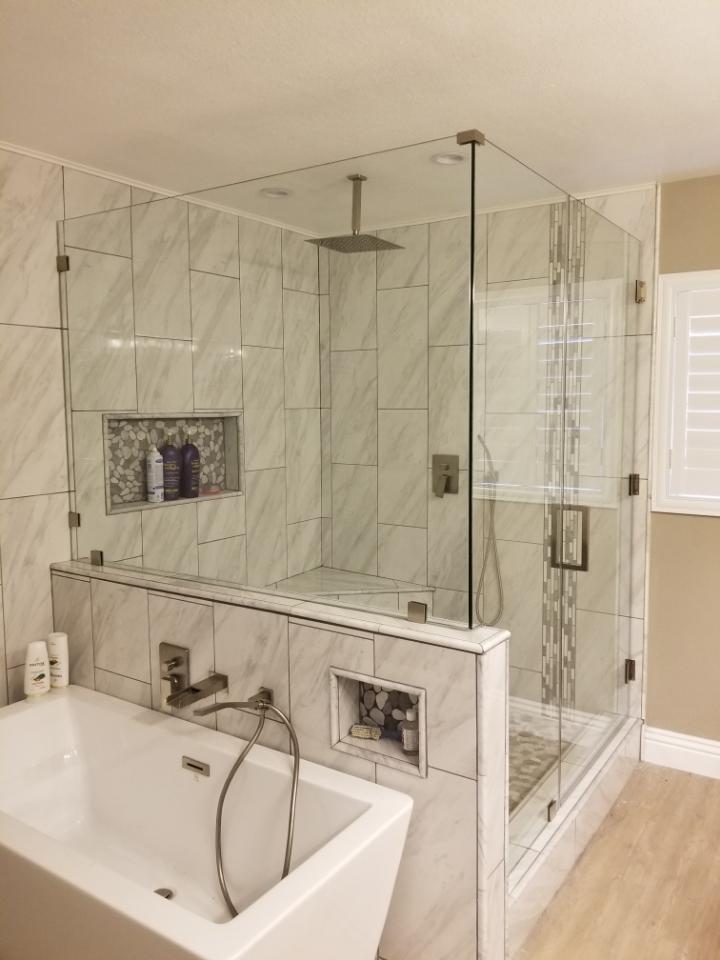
33 461
449 898
172 309
394 391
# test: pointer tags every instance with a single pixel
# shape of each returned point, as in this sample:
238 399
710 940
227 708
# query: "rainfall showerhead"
355 242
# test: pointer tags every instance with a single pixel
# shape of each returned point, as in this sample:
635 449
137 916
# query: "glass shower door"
591 532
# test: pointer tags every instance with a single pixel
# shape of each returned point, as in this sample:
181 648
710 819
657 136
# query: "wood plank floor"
648 885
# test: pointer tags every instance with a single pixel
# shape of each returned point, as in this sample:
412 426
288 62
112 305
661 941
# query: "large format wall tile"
448 538
170 539
164 375
434 908
221 518
299 263
519 243
32 398
72 615
251 647
217 353
449 293
213 241
302 432
224 559
352 301
31 203
301 349
120 629
402 322
85 193
261 284
312 653
402 553
304 546
119 537
186 624
354 409
33 534
264 408
266 511
123 688
407 267
354 527
107 232
100 322
449 402
402 467
447 676
160 269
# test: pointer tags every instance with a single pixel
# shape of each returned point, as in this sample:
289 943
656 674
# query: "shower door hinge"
629 671
73 519
551 810
63 263
96 558
640 291
634 484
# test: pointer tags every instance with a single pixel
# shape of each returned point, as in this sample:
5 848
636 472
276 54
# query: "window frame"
663 500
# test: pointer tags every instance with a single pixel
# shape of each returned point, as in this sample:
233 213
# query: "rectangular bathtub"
97 812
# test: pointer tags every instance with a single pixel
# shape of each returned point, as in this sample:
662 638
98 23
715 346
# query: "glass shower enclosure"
411 384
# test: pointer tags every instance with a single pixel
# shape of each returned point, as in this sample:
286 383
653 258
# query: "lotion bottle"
171 471
411 732
189 470
37 669
57 646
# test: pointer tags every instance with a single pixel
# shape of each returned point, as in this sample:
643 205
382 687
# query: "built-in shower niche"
353 699
128 436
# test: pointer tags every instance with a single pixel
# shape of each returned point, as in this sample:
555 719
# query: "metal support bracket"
470 136
62 261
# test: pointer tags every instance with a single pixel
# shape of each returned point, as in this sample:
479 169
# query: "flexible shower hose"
261 706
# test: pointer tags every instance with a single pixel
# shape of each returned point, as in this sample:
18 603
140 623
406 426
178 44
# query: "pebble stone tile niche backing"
384 708
128 442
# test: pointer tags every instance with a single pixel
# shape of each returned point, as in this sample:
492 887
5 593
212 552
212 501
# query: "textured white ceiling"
185 94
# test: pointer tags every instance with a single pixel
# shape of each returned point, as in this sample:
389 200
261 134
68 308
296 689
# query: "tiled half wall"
450 895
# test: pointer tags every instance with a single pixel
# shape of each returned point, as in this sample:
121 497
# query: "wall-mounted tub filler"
177 691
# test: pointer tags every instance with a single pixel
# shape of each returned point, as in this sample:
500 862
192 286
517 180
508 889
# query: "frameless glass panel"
308 331
594 535
517 461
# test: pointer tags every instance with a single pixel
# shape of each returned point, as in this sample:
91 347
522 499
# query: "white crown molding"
84 168
611 191
679 751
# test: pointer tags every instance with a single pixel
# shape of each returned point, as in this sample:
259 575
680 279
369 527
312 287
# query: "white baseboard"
681 752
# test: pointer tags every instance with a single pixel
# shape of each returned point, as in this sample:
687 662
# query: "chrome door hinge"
73 519
629 671
63 263
640 291
634 484
551 810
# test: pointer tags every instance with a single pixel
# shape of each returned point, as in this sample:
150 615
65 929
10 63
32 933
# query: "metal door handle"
557 542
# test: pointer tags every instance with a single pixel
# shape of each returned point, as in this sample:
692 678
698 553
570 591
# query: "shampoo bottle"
411 732
154 475
171 471
189 470
37 669
57 646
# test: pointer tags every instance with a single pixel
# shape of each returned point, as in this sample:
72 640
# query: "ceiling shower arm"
357 182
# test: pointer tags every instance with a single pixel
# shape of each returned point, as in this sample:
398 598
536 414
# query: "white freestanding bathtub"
97 812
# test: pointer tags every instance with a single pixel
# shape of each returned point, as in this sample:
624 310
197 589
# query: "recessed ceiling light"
275 193
448 159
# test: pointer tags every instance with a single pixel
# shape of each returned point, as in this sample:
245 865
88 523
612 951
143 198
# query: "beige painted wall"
684 602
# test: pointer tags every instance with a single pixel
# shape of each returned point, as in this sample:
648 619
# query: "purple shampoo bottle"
171 471
189 470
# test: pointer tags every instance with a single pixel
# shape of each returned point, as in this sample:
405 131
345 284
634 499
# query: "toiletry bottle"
411 732
37 669
154 475
57 646
171 471
189 470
